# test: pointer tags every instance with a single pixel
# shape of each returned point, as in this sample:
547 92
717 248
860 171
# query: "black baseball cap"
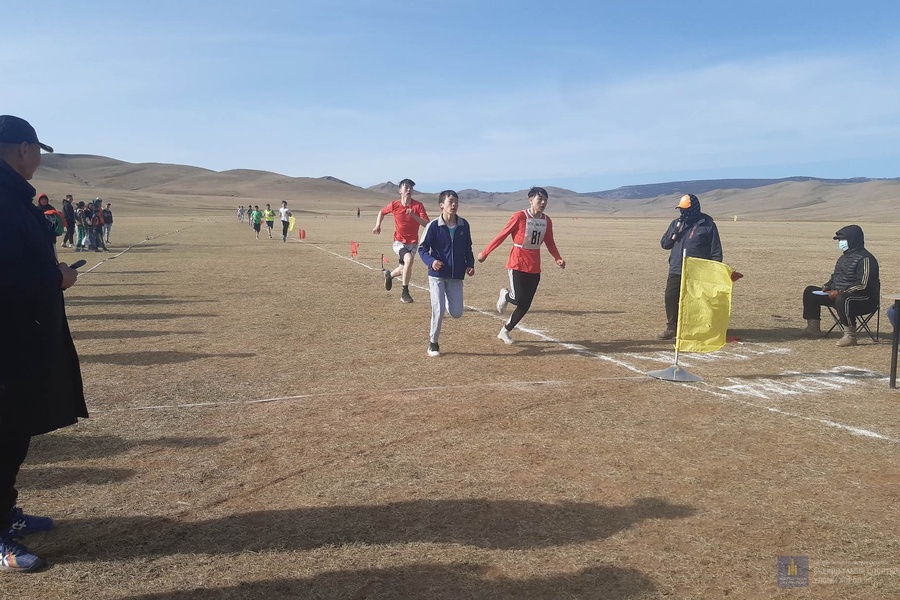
14 130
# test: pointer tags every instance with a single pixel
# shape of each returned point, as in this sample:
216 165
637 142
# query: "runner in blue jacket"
446 249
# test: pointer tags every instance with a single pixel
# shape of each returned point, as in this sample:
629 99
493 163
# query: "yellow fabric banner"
704 308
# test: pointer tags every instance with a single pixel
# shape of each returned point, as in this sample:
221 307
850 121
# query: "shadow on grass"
432 582
575 313
155 357
63 446
82 283
141 317
135 300
49 478
488 524
121 334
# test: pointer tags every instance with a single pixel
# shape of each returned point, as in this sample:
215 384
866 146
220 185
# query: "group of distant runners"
446 249
255 218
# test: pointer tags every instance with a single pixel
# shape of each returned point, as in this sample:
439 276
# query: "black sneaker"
668 334
434 349
405 297
388 280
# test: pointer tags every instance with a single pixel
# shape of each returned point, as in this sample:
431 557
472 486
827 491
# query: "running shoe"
22 524
388 279
504 335
16 558
501 301
405 297
434 349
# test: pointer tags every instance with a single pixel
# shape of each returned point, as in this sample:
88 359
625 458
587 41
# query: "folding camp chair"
862 322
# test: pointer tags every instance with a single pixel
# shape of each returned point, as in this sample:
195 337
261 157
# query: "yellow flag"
704 308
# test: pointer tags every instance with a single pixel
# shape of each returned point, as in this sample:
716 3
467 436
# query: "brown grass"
537 470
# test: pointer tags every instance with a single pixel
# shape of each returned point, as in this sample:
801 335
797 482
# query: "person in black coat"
696 233
40 377
853 290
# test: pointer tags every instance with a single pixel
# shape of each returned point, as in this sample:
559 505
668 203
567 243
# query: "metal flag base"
675 373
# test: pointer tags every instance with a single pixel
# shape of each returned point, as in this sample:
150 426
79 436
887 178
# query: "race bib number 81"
535 229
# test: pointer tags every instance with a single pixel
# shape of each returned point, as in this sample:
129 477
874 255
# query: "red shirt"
406 229
528 233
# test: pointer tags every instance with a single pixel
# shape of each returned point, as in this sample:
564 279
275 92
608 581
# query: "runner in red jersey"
529 229
409 215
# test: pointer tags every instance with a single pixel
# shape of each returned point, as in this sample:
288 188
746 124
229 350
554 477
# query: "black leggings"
284 228
13 449
524 286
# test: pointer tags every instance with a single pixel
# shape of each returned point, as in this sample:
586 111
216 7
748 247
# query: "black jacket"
856 271
69 213
701 240
40 378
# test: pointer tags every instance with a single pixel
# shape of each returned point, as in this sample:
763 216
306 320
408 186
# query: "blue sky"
494 95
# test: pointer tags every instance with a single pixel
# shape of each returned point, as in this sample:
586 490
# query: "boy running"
269 215
285 220
447 250
256 220
529 229
409 215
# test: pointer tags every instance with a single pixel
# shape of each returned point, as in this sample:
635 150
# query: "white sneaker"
434 349
504 335
501 302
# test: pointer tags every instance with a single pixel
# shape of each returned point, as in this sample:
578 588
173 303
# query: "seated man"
853 290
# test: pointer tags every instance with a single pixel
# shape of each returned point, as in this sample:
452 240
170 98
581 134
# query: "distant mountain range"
807 198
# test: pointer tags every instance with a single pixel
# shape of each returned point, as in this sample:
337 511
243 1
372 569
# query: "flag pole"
676 373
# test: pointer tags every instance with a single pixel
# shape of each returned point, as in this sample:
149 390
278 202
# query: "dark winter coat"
699 236
856 271
40 378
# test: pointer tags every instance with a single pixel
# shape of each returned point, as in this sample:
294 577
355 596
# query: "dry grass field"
266 424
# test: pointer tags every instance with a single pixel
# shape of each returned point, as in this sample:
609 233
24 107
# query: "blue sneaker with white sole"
16 558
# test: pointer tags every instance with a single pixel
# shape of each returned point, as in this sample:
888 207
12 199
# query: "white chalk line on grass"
112 256
367 391
732 392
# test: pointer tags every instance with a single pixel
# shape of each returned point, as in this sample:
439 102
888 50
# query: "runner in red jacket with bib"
529 229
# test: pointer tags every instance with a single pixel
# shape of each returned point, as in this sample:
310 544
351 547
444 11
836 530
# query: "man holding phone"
40 377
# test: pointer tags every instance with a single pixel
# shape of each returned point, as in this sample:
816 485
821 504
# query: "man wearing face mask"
853 290
695 232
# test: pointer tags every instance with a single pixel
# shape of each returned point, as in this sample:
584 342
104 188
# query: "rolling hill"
156 184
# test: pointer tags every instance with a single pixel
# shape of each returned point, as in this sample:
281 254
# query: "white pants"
445 294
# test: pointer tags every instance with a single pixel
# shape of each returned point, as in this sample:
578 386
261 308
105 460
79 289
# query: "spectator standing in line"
40 377
107 221
79 227
69 215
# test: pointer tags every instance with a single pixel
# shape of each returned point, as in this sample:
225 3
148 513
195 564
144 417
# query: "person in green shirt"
256 220
269 215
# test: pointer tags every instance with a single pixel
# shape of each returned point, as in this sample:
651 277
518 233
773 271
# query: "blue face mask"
844 245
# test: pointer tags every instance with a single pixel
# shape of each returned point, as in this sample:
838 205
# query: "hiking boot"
16 558
668 334
22 524
849 338
501 301
504 335
434 349
405 297
813 329
388 279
